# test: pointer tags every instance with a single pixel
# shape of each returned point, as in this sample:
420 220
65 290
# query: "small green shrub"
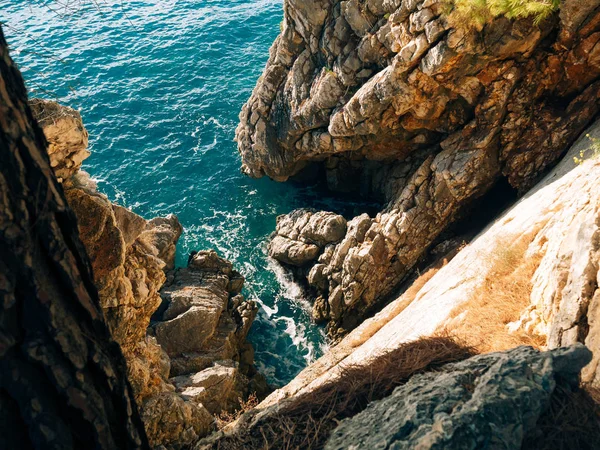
479 12
594 148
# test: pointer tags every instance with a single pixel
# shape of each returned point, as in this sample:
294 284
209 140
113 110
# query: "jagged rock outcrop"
67 137
129 258
406 101
489 401
301 236
203 327
553 233
125 251
556 223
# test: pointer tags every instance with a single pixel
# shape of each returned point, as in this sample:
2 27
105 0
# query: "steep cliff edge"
131 258
401 101
555 226
531 277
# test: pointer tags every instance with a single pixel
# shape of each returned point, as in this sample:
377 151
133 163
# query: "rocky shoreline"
192 362
399 102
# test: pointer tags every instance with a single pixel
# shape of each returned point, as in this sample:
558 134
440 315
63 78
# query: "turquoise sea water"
159 84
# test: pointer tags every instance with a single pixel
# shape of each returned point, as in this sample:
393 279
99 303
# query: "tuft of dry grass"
505 293
46 111
476 13
306 422
571 422
226 417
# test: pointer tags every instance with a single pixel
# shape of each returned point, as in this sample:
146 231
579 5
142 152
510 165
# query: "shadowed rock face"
487 402
432 112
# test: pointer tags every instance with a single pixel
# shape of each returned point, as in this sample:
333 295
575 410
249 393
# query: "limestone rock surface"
490 401
67 137
129 257
559 221
203 325
406 101
129 273
302 235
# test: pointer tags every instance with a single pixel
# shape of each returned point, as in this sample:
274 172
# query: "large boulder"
489 401
218 388
302 235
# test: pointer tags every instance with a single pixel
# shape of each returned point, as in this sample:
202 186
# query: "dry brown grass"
226 417
306 422
500 300
572 422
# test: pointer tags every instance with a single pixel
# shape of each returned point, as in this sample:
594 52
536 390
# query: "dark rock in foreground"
489 401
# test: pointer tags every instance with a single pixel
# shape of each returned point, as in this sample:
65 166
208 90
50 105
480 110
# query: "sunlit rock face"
67 137
556 227
559 222
415 107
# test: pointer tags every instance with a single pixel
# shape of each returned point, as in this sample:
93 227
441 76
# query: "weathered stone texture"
129 257
203 326
302 235
559 219
490 401
67 137
442 110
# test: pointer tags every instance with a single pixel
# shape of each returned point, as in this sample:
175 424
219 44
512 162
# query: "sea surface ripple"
159 84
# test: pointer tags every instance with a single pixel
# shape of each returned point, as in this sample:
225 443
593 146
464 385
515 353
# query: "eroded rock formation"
488 401
557 225
129 257
67 137
547 244
419 109
203 328
301 236
63 382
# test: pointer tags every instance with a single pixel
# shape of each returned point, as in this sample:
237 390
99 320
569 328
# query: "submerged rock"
397 98
489 401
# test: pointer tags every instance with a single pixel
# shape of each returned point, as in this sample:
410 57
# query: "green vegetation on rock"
479 12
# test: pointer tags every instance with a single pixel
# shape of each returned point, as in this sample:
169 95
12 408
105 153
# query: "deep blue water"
159 84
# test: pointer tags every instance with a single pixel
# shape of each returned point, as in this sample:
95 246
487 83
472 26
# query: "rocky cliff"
402 101
195 362
546 247
531 277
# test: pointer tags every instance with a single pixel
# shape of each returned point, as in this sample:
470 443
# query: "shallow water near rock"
159 84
